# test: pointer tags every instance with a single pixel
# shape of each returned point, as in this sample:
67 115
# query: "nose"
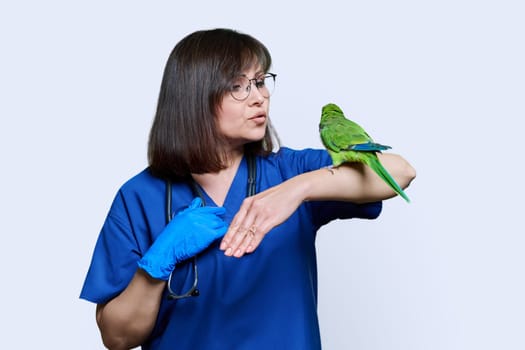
256 95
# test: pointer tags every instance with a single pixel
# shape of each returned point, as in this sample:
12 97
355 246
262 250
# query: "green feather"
346 141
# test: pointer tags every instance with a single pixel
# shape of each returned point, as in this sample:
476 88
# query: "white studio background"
441 82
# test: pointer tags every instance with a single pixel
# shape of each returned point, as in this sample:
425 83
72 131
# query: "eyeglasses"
242 86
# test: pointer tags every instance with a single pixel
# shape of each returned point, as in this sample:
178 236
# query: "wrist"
303 186
152 268
317 184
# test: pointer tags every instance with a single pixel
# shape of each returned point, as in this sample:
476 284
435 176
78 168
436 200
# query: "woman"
230 270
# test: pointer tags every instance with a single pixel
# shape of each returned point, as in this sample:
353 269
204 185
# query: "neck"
217 184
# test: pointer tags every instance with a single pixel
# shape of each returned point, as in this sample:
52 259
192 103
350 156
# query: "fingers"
241 232
246 230
256 217
244 240
195 203
212 222
235 228
219 211
221 231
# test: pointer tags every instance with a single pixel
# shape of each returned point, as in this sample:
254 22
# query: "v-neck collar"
237 191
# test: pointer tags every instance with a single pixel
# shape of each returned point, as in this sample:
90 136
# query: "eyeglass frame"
254 80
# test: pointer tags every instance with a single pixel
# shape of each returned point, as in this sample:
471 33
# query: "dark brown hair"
184 138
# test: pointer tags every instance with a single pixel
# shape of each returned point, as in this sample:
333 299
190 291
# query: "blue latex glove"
187 234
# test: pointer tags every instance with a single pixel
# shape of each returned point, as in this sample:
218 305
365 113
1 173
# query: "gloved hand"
188 233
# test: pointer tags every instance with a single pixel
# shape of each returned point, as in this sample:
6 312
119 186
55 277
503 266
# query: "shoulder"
141 181
140 191
145 195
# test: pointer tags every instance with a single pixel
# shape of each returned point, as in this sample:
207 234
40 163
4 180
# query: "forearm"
350 182
127 320
354 182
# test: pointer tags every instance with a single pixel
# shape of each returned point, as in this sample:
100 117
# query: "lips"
259 118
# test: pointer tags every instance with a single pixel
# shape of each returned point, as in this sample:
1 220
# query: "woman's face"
244 121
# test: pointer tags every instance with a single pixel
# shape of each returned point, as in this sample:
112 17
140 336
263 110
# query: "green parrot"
346 141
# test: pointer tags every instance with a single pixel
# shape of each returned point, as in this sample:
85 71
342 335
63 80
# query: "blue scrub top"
264 300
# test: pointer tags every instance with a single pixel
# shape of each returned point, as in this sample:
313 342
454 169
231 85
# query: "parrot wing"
346 135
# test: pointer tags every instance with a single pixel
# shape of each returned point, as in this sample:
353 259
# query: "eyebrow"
257 74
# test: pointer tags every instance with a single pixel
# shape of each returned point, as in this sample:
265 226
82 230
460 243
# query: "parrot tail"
369 146
376 165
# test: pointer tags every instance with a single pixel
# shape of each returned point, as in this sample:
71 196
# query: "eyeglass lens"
242 86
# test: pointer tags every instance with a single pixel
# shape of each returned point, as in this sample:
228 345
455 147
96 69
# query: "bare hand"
257 216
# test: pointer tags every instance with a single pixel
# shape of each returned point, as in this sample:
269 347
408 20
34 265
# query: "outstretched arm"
356 182
351 182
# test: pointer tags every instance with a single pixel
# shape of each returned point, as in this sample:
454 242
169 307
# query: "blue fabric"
265 300
187 234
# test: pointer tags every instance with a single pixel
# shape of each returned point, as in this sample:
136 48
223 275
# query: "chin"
253 139
259 136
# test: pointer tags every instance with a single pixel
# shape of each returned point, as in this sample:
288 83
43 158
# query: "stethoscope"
250 191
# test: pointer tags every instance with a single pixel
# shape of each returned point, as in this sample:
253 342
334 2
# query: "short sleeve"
325 211
115 256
